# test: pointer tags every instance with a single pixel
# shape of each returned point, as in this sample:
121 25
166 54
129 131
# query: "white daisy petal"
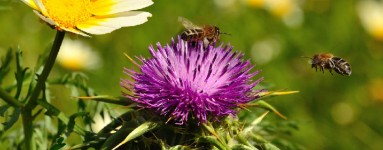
107 25
41 7
106 7
75 31
97 29
31 3
46 19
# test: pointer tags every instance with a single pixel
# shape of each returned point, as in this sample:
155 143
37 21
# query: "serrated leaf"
211 129
12 120
242 147
51 110
3 109
211 140
61 126
20 72
81 105
269 146
140 130
179 147
77 80
56 112
4 64
59 143
71 124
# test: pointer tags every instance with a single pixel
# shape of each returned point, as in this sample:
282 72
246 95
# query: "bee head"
217 30
311 59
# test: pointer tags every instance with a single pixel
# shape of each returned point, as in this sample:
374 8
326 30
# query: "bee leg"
322 68
331 72
316 68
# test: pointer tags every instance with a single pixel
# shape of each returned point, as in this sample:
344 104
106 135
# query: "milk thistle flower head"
86 17
184 81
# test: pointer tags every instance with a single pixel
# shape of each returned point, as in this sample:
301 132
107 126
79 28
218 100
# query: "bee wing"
187 24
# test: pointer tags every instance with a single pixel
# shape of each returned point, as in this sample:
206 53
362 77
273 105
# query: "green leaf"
4 64
77 80
255 123
20 72
109 99
117 136
72 123
211 140
3 109
257 138
140 130
59 143
81 105
116 122
269 146
242 147
179 147
51 110
267 106
61 126
12 120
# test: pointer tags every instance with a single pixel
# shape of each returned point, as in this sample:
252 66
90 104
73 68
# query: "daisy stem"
26 113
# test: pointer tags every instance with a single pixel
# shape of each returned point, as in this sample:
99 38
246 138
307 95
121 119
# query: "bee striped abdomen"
341 66
192 35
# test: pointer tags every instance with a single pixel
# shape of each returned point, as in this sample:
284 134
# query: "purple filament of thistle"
182 80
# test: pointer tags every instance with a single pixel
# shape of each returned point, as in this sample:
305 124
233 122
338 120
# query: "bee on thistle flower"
186 82
209 34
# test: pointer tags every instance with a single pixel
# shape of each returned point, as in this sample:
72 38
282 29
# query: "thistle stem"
31 104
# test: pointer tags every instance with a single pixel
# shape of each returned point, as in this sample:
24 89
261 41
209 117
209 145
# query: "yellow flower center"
68 13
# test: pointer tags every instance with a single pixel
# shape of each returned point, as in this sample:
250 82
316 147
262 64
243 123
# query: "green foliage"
134 129
66 110
5 65
10 120
59 143
130 128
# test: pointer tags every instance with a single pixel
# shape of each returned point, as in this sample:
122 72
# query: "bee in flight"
209 34
330 62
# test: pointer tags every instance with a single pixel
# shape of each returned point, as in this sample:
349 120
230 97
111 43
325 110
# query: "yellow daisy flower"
86 17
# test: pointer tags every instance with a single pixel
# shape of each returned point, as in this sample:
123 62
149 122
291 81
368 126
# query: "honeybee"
330 62
209 34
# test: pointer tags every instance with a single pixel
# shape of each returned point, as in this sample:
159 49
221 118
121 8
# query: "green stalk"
47 69
28 128
9 99
31 104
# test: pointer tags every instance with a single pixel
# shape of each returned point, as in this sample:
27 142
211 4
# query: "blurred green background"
332 111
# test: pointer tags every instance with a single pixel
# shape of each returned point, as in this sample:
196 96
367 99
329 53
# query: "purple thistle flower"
184 80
